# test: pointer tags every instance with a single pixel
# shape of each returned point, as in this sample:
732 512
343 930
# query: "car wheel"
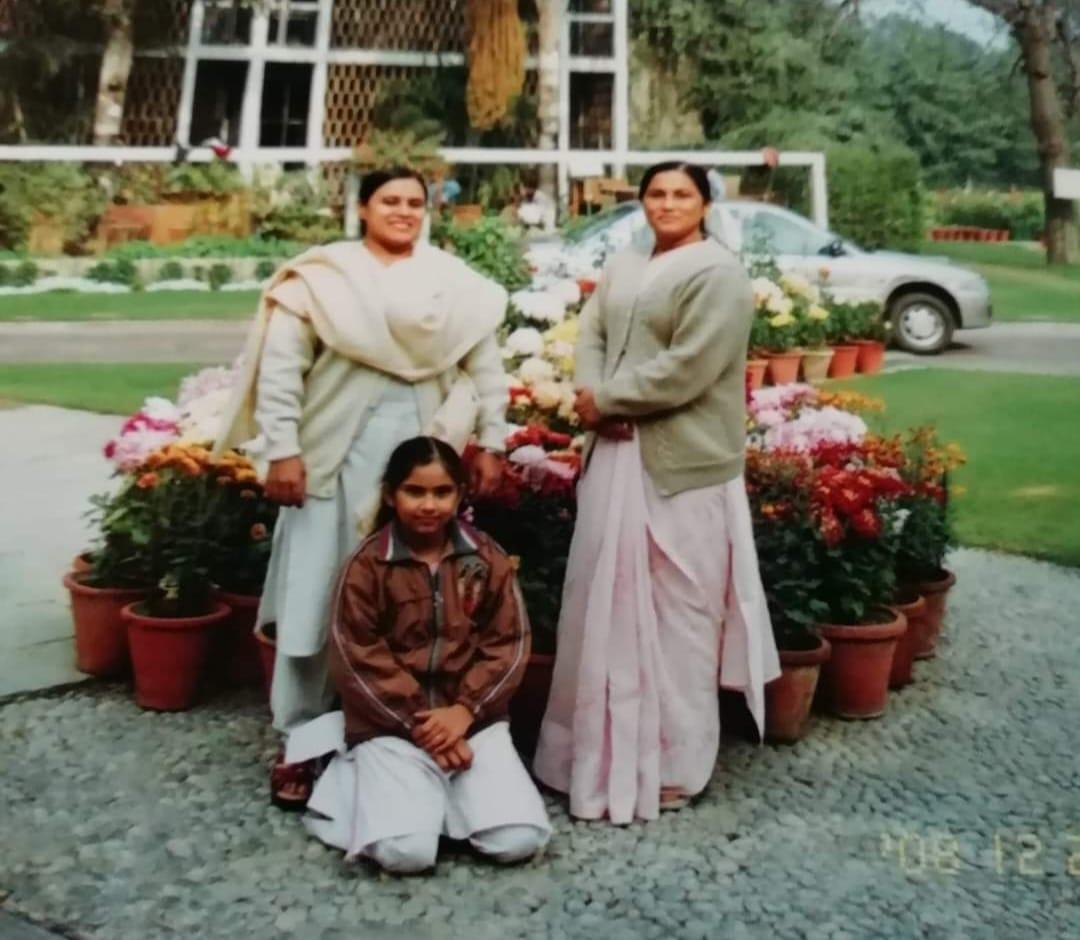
921 323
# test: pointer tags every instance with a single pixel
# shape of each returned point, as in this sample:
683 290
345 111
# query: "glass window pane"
590 6
284 114
593 39
226 24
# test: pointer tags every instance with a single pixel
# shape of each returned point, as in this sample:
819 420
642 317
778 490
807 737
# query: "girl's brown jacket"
403 639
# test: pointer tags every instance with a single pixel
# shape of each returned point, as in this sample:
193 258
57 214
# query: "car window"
776 233
602 221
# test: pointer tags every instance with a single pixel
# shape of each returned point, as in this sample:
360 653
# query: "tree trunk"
1035 33
116 64
548 99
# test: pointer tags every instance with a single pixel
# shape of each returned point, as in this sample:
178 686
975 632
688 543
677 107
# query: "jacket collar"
393 549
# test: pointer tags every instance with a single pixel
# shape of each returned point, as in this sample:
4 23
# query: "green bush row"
876 197
1019 211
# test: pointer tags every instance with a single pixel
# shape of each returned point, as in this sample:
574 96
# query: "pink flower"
132 448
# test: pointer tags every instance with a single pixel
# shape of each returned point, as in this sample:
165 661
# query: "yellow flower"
817 312
566 332
781 320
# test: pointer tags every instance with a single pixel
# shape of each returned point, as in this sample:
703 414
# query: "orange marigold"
147 481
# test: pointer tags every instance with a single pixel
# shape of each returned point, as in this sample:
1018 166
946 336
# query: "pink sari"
662 598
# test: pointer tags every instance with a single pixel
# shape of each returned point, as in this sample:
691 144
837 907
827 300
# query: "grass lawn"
162 305
1022 482
110 388
1022 287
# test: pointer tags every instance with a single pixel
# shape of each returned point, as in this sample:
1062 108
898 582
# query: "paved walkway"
49 465
1048 348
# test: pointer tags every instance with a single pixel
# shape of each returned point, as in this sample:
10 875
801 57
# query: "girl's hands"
286 482
487 471
441 728
456 757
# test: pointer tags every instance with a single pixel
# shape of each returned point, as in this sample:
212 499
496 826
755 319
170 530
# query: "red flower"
867 524
831 530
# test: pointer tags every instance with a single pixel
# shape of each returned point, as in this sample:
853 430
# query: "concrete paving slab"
50 464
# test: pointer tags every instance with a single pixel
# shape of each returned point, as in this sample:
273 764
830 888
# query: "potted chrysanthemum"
171 507
777 485
858 523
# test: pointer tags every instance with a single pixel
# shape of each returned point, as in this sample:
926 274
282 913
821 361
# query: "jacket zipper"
436 630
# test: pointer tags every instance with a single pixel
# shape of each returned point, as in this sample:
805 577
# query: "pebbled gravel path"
955 816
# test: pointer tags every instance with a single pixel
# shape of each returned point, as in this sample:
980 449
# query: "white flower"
160 409
202 417
539 305
535 370
567 290
528 455
526 341
205 381
780 305
547 395
530 214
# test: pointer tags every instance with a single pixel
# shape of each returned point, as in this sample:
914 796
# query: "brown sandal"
291 784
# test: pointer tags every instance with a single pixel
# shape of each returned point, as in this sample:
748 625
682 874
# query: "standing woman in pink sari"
662 599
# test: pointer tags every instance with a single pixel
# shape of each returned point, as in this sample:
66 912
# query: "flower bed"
842 515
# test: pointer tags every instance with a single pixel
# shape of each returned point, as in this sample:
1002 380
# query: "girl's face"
674 207
426 501
394 214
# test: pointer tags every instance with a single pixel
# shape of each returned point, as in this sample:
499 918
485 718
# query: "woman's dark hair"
375 180
407 456
697 175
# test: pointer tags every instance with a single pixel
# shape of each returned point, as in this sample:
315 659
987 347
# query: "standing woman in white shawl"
662 598
356 348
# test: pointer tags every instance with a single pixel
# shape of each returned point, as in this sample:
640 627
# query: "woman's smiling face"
674 207
394 214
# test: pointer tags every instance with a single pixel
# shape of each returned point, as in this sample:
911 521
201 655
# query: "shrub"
120 271
219 275
876 196
25 274
61 192
266 268
292 208
489 246
1021 212
171 271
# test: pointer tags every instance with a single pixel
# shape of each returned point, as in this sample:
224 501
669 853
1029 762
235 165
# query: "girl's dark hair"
697 175
407 456
375 180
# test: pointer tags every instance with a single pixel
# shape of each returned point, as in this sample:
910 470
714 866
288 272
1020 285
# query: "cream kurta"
313 541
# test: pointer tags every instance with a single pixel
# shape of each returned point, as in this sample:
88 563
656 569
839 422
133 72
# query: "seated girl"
428 642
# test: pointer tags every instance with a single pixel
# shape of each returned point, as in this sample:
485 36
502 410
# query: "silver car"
924 299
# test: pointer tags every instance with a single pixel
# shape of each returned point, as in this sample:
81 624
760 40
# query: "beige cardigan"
672 356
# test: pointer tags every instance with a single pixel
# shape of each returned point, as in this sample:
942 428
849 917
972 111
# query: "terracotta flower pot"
235 652
870 357
788 698
843 363
82 563
101 641
266 640
914 612
936 593
755 372
168 655
783 367
815 364
529 703
856 676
